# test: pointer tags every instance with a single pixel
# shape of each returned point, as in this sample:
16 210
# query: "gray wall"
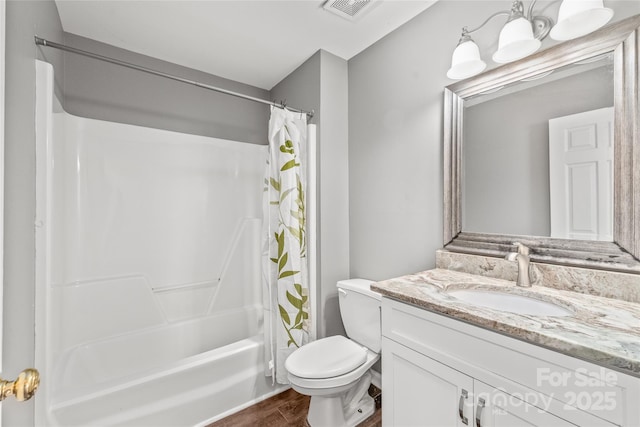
24 19
105 91
395 133
334 188
301 88
321 84
506 152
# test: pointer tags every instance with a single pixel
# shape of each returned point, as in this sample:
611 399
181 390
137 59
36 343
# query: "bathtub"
149 310
182 373
191 391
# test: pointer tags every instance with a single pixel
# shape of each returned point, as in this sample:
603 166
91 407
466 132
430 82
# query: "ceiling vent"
350 9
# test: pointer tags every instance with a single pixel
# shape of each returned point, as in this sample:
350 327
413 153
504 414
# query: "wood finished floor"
287 409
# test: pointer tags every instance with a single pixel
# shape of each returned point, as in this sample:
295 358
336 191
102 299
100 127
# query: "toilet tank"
360 310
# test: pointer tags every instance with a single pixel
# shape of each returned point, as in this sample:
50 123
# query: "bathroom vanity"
447 362
463 344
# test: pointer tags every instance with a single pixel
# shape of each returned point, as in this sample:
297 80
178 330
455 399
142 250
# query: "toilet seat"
349 378
326 358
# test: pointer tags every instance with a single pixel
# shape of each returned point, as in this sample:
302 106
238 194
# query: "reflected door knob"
23 388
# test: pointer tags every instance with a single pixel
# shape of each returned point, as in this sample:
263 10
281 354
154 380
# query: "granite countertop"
604 331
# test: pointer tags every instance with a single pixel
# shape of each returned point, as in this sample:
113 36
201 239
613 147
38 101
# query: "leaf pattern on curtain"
284 241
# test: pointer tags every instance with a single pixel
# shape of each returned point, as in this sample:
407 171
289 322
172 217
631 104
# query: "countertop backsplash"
608 284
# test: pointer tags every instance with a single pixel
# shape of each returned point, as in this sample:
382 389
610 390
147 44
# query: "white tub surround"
148 298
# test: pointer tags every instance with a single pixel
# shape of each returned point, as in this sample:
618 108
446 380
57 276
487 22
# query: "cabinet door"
422 392
495 408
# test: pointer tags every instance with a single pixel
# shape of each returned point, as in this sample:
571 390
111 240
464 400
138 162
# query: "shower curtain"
284 246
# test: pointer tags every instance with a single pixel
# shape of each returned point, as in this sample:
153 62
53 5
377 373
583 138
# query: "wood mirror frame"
623 39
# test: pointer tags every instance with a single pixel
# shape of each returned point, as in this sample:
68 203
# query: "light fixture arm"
541 24
466 31
530 10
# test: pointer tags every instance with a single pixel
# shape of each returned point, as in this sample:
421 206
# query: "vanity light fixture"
522 33
580 17
519 37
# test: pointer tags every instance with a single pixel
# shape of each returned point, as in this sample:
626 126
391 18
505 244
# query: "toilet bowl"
334 371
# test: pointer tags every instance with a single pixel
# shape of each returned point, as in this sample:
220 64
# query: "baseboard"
376 379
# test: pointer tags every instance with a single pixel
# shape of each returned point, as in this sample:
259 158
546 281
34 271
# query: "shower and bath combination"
149 304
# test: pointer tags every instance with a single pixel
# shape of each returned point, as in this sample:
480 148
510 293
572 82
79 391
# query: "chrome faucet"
522 257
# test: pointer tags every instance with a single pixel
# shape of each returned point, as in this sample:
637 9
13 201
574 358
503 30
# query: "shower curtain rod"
43 42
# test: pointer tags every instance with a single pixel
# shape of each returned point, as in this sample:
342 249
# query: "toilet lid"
326 358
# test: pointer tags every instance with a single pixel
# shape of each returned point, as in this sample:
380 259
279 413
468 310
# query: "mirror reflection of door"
505 155
581 175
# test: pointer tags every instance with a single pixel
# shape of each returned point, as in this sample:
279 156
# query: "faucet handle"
522 249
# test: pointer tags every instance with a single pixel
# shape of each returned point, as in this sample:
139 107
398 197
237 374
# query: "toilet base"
344 409
366 408
328 412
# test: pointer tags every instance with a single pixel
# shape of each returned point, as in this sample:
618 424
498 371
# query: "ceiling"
257 42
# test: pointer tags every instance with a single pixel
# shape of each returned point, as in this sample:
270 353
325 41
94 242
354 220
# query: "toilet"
335 371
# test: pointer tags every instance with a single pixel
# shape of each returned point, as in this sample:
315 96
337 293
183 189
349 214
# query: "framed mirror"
546 151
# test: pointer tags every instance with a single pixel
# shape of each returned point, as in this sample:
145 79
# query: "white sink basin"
512 303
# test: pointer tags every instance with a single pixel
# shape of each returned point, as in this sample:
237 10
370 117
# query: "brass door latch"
23 388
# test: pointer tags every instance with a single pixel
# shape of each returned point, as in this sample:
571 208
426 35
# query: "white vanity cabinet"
439 371
424 392
421 391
